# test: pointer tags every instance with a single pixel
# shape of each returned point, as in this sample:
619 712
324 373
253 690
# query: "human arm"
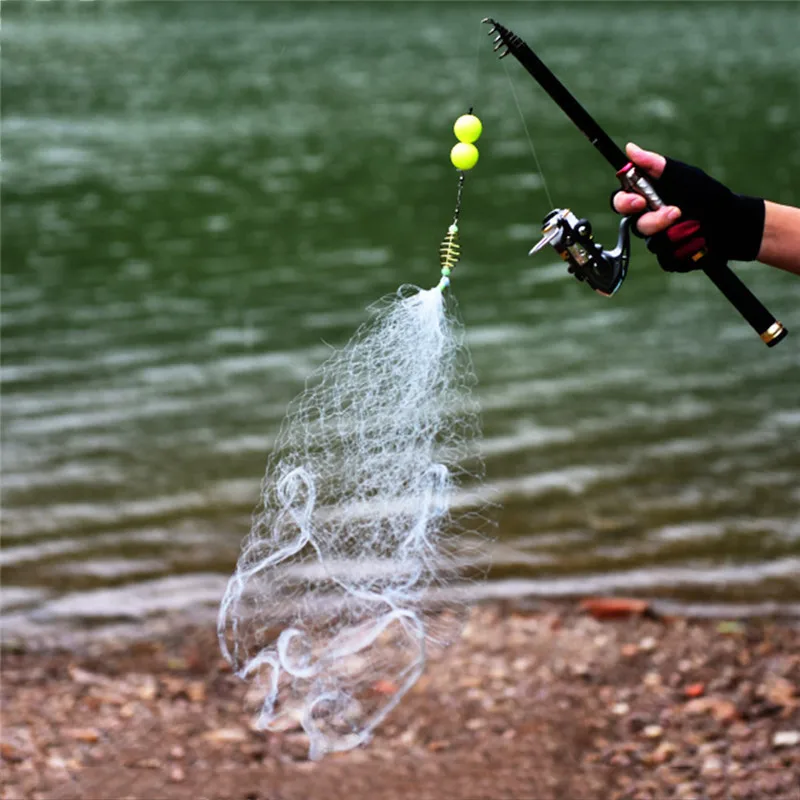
780 245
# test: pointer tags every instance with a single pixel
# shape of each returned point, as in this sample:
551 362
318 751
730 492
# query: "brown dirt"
533 704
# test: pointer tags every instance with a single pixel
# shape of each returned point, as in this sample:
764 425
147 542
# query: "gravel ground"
535 702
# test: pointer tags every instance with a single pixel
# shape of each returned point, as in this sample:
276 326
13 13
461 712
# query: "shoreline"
26 634
537 700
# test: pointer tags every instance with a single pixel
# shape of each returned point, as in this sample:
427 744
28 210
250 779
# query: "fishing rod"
605 270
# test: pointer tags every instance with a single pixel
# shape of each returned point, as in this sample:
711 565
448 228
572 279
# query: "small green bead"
445 271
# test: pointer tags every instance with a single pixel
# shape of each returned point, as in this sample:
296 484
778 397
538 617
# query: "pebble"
177 775
196 691
148 689
620 709
786 739
653 731
648 644
89 735
664 752
721 710
687 791
439 744
712 766
223 735
11 752
652 679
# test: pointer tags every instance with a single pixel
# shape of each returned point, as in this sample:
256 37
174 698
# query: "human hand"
716 225
631 204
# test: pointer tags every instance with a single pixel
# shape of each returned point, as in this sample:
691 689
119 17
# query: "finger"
652 163
628 203
655 221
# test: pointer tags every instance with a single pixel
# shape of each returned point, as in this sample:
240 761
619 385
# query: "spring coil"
449 250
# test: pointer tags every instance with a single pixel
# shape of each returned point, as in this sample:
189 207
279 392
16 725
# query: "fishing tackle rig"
450 248
605 270
464 156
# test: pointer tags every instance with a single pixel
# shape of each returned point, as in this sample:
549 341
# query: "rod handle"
743 300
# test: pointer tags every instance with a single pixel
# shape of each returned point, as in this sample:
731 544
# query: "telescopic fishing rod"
605 270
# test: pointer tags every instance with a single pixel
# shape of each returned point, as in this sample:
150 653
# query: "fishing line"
477 61
527 134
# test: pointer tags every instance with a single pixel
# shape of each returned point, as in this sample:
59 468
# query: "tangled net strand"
355 529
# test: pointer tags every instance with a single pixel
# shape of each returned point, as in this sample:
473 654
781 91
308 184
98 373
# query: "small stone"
56 762
663 753
89 735
282 724
196 691
620 709
148 688
475 724
686 791
438 744
614 607
730 627
10 752
712 766
648 644
225 735
721 710
407 737
629 650
177 752
652 679
694 690
739 731
176 774
786 739
652 731
620 760
780 692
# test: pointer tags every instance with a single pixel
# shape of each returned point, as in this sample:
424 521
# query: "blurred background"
199 198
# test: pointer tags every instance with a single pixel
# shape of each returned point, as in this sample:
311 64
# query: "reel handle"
743 300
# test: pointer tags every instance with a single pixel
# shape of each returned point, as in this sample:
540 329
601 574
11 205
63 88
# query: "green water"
198 198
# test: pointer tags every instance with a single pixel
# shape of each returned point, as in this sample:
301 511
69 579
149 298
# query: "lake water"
200 198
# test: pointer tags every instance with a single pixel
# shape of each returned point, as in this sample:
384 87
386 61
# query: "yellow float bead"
464 156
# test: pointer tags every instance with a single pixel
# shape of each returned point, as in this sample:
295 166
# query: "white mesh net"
356 531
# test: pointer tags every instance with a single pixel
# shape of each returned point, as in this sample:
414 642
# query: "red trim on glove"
686 238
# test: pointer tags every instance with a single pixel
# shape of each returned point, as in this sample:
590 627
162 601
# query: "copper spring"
450 249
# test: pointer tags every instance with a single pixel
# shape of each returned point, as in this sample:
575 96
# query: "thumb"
652 163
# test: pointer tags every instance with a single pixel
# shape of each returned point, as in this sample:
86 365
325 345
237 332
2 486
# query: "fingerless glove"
729 226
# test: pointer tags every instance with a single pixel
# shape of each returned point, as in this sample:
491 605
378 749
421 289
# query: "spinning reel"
571 238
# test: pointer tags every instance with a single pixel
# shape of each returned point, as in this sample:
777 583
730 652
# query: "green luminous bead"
445 271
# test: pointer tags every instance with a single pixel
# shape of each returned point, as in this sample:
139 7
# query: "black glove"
716 223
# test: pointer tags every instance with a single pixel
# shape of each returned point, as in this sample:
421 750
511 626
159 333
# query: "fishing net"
337 598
